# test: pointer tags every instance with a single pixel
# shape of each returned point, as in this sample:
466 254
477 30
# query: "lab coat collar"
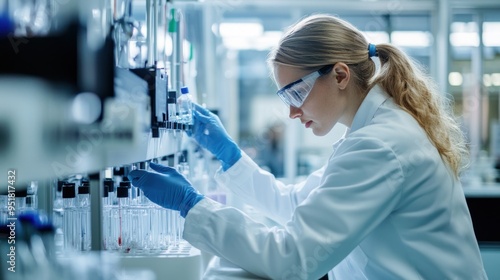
375 97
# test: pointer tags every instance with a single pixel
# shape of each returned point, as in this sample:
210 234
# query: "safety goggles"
295 93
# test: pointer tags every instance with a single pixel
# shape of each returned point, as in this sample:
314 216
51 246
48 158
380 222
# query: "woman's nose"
295 112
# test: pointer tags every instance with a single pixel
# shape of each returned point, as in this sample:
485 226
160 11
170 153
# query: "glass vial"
69 231
83 214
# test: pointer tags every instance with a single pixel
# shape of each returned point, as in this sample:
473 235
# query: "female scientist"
388 204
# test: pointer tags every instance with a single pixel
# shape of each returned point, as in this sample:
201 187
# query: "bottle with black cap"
83 219
68 196
57 214
84 194
124 186
58 202
171 107
21 200
119 174
31 198
109 184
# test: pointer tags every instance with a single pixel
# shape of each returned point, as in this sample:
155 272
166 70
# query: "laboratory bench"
484 206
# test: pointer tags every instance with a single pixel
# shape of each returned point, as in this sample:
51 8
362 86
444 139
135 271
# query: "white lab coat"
385 206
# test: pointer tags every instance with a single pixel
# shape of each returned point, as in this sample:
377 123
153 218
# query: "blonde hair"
320 40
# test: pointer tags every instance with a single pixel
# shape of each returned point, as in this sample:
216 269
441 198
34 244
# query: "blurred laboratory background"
93 89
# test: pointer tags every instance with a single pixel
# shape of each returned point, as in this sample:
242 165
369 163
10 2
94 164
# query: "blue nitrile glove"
209 132
169 189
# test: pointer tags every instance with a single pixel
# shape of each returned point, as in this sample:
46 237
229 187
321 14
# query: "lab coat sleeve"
361 188
260 189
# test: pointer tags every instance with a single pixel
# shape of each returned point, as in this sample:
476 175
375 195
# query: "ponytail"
417 94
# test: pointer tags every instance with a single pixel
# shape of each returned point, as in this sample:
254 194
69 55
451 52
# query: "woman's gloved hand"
209 132
167 188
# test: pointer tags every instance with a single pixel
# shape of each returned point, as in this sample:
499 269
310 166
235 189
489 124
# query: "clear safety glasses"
295 93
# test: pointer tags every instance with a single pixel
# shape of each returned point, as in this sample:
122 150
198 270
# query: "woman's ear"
342 74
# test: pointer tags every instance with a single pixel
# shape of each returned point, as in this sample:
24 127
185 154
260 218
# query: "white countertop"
483 190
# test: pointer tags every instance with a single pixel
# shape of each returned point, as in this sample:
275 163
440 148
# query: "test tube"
177 220
151 236
106 217
139 222
68 197
123 197
164 222
58 214
144 214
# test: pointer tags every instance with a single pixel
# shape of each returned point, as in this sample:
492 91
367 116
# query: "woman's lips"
308 124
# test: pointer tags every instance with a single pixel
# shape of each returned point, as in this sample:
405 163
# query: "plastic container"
185 103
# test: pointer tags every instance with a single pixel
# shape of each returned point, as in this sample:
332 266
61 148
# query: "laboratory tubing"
83 219
69 217
185 103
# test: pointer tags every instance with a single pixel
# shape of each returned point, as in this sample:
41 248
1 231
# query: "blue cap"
184 90
6 25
